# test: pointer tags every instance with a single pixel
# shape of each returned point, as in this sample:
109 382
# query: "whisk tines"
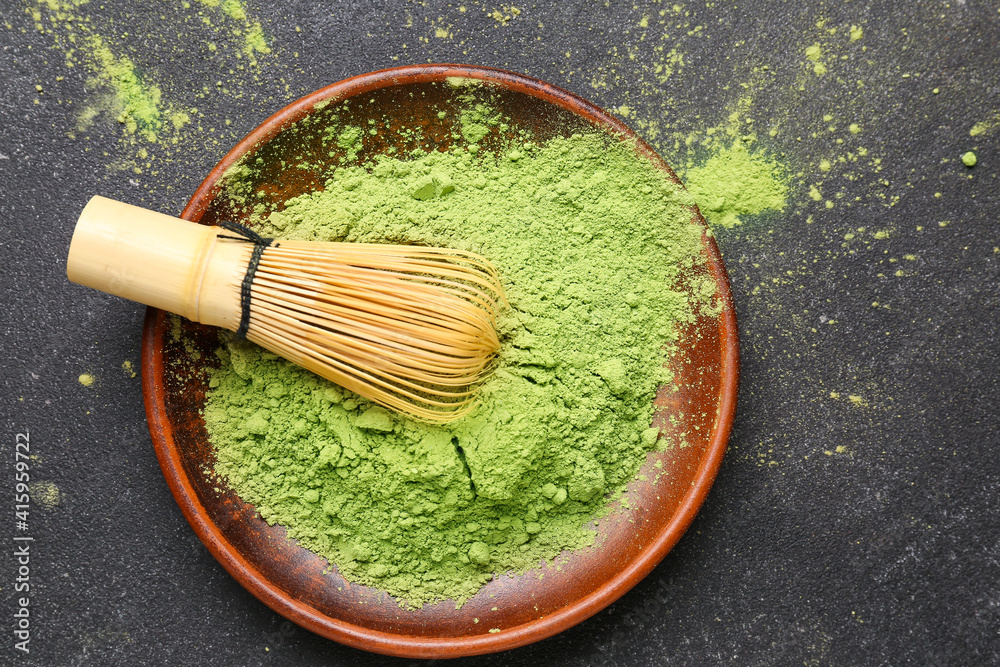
412 328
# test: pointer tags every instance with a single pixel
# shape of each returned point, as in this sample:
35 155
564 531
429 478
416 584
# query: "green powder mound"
589 240
734 182
476 122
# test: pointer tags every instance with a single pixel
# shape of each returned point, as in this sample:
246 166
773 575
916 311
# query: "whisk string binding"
259 244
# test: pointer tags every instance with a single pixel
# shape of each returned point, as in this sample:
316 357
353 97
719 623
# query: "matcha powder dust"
734 182
589 240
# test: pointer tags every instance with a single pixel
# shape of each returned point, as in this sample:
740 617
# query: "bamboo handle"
159 261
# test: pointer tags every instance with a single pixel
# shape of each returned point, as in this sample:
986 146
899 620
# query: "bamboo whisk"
412 328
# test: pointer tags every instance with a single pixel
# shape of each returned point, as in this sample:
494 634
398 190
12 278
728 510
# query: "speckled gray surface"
854 521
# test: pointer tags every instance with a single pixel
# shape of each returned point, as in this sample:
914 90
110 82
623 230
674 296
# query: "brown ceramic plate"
291 580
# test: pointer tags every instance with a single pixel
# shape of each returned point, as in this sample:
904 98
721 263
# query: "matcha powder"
734 182
589 240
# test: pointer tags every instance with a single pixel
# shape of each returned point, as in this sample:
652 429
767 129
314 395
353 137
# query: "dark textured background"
884 551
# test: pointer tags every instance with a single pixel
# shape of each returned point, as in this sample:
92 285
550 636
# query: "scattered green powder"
250 31
734 182
135 103
158 115
255 41
179 119
815 55
45 494
969 159
589 240
234 10
984 127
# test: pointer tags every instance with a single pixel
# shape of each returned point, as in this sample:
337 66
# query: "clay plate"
525 608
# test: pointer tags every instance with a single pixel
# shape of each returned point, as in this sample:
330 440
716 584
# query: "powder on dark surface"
734 182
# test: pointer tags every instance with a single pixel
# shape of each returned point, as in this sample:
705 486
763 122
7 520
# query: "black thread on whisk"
259 244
